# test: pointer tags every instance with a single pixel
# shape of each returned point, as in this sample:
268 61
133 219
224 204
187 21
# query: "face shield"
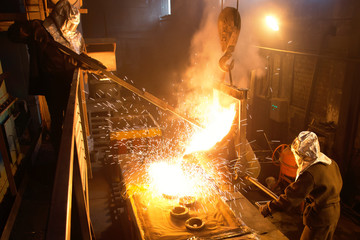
306 146
296 156
71 22
306 150
62 25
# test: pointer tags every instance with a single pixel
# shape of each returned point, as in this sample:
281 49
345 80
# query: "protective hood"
306 149
62 25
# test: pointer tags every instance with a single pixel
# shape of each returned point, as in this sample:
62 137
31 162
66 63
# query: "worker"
51 70
318 182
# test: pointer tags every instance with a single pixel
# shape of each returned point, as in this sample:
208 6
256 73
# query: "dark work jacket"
51 70
320 185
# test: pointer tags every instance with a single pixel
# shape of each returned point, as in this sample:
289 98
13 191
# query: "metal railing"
69 215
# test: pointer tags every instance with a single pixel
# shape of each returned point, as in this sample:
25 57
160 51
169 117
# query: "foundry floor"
110 221
281 226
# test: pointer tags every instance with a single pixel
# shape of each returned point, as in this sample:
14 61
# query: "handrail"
71 173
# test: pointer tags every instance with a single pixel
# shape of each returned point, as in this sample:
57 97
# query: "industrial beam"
238 93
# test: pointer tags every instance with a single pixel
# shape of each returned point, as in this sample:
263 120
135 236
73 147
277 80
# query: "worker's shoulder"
317 167
321 169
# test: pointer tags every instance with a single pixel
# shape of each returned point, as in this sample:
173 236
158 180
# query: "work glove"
265 210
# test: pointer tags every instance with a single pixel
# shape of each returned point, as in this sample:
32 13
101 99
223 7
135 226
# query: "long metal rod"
98 66
149 97
262 187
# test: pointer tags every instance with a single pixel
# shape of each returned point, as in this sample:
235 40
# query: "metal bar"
262 187
238 93
149 97
230 78
96 65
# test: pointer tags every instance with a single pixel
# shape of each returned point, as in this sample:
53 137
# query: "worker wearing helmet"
51 70
318 181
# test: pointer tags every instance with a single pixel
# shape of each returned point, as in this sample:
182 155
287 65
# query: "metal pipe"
262 187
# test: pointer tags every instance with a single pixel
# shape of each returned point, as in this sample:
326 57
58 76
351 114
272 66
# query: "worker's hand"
265 210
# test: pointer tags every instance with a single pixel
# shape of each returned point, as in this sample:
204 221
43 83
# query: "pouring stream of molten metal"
169 178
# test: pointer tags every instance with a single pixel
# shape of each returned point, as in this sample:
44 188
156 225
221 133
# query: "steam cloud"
206 50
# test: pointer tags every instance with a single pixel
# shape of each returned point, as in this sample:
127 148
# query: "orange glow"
175 177
272 23
217 122
169 179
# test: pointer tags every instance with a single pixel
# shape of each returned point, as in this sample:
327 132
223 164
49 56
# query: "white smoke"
206 50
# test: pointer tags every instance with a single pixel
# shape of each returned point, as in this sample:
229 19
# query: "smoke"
206 50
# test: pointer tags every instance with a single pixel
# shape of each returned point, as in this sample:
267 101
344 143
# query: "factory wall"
152 47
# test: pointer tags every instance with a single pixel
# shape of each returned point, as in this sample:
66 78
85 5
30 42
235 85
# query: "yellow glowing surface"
169 179
175 177
217 124
272 22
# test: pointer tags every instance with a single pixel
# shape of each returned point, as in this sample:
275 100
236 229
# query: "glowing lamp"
272 23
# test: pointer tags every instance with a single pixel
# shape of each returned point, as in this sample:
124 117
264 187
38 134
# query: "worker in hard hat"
51 70
318 182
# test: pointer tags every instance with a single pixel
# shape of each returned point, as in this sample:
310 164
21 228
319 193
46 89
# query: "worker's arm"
294 194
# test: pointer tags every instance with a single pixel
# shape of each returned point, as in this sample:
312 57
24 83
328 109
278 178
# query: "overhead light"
272 23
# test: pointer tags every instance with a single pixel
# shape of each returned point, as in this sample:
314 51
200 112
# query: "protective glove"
265 210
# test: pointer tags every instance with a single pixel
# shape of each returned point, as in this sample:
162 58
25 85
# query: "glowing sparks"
272 22
170 180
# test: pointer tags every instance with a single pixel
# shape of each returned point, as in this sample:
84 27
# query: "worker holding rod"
318 182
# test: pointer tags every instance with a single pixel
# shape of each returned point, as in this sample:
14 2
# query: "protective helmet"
62 25
65 16
306 146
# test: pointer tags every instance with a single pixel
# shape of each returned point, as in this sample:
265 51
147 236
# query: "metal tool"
94 64
262 187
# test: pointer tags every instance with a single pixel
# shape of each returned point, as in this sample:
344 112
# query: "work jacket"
320 186
51 70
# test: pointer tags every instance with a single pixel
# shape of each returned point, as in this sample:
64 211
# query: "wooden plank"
4 25
6 159
14 210
59 224
81 10
12 17
85 123
83 210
